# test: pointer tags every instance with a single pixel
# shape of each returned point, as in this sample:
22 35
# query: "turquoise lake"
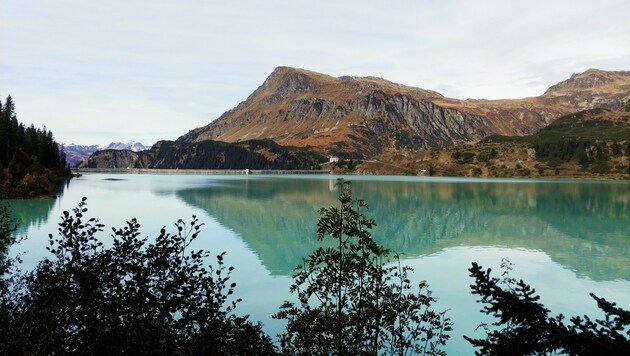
566 238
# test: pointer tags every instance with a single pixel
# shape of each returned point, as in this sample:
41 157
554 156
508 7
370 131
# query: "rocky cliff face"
363 116
117 159
591 89
75 154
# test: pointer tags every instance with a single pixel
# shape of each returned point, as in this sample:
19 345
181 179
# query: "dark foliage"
565 150
463 157
524 327
134 297
31 163
349 164
7 229
254 154
351 302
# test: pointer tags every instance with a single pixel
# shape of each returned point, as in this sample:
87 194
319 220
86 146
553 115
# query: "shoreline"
76 171
612 178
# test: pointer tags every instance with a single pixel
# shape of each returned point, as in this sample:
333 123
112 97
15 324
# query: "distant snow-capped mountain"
131 146
75 154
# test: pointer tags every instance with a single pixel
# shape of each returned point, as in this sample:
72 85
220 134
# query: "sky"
95 72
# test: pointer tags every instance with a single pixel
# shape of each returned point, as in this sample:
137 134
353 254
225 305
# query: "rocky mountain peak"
130 146
285 81
288 82
590 80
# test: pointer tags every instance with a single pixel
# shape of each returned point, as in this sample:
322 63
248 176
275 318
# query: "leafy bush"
467 157
483 157
133 297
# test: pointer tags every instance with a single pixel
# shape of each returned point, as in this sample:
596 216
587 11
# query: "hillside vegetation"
590 143
596 141
254 154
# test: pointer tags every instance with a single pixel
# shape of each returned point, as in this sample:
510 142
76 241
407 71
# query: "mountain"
587 144
255 154
131 146
76 154
594 125
362 117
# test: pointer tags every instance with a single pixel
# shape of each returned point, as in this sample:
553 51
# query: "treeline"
254 154
590 136
31 163
584 151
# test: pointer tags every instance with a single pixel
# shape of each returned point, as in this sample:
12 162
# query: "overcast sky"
100 71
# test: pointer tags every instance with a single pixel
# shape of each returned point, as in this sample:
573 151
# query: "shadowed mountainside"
255 154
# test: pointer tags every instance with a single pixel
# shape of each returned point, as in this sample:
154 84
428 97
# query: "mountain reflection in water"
583 226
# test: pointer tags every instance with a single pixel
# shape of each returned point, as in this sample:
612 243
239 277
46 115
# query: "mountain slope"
255 154
76 154
592 143
365 116
589 125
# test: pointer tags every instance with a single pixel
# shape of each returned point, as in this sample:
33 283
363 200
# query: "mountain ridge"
75 154
255 154
365 116
131 146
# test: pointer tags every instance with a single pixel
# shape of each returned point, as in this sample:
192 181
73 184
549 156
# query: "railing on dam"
77 171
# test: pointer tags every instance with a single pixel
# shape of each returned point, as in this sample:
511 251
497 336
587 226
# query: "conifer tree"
524 326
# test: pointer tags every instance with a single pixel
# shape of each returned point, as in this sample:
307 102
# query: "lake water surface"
566 238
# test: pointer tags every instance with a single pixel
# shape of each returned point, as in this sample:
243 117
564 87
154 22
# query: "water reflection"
583 226
33 212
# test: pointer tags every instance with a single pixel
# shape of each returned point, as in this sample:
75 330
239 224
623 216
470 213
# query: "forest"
31 162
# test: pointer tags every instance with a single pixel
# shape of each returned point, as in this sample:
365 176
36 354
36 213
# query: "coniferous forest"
31 163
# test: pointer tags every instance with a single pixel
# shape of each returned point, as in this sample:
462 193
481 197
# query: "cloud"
121 67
